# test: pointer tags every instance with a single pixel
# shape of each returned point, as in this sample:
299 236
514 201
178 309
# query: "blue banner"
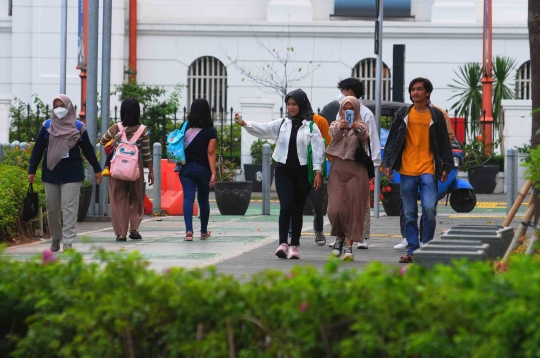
81 62
368 8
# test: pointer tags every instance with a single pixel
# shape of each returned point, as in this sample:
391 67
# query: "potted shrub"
389 195
253 171
477 155
85 198
232 197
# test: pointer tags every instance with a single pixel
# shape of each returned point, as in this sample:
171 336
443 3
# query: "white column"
453 11
256 109
5 102
517 130
290 11
21 49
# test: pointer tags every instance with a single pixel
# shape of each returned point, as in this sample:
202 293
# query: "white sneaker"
363 244
331 245
347 254
402 245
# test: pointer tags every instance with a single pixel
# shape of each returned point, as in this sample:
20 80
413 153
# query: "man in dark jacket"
418 147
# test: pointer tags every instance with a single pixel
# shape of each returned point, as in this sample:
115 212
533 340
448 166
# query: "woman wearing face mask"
292 136
59 144
348 182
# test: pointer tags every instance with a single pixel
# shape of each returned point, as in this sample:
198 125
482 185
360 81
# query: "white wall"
173 33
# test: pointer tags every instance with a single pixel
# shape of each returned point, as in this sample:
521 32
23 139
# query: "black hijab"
304 106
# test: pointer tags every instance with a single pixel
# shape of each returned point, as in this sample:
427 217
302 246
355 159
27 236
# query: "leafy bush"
257 150
13 187
68 308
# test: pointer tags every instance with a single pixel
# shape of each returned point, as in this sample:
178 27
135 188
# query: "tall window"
365 71
207 78
10 8
523 81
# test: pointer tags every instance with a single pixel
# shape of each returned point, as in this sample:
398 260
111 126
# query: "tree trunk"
534 46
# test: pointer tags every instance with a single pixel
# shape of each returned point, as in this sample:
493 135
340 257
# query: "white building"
195 43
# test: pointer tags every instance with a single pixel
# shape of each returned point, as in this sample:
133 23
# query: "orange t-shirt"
322 123
417 158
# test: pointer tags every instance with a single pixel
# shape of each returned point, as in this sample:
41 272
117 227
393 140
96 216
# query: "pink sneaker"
282 251
293 253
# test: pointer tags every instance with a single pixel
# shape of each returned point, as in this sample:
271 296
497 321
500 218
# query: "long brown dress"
348 192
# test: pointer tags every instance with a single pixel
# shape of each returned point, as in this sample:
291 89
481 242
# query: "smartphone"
349 116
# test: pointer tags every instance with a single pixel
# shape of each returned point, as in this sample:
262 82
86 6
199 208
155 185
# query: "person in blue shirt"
59 143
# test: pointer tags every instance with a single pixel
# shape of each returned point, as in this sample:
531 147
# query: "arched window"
523 81
207 78
365 71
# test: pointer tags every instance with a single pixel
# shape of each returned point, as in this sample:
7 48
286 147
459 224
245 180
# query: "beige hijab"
63 133
356 106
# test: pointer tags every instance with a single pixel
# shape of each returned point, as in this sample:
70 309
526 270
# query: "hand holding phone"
349 116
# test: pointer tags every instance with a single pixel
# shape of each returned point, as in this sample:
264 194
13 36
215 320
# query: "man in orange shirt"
418 147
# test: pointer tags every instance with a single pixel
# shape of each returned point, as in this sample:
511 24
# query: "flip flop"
189 236
206 236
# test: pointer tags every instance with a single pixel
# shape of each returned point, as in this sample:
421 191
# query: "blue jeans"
428 200
195 176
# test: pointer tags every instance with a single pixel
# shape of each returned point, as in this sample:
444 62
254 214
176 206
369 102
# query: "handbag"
30 204
361 157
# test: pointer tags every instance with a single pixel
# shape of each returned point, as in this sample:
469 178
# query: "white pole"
378 99
63 47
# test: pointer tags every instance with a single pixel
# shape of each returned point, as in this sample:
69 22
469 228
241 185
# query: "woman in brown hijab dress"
348 182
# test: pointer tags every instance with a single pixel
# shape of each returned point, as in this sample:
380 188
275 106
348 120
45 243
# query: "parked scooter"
461 193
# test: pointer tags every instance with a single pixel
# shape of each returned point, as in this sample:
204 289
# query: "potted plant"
389 195
232 197
477 155
85 198
253 171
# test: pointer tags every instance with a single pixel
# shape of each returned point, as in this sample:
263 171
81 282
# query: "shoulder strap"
279 129
311 127
123 130
137 134
183 129
47 124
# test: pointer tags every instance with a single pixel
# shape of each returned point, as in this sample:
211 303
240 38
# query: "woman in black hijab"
292 135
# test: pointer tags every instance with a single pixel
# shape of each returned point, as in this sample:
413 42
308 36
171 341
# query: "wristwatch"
318 171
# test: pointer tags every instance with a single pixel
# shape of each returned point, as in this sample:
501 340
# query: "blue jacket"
68 170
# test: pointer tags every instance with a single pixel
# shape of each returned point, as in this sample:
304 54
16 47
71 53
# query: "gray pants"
62 206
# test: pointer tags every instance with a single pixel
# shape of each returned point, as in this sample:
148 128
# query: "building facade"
225 50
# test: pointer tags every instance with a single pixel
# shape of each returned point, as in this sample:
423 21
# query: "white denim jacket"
281 134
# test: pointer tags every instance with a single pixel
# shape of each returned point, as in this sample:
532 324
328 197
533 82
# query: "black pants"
315 200
292 188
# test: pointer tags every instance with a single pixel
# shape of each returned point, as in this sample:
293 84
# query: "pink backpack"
125 162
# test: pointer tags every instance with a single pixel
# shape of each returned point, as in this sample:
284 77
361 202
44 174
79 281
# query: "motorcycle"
461 193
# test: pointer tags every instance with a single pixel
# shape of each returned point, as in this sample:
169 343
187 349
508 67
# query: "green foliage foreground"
119 308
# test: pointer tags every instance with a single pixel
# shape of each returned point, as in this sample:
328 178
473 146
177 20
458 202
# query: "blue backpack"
47 124
175 145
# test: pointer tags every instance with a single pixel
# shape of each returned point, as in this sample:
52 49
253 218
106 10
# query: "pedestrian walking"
199 171
59 143
292 135
354 87
418 147
348 181
404 244
126 196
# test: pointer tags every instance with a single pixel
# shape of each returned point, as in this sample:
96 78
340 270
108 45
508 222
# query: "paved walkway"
243 245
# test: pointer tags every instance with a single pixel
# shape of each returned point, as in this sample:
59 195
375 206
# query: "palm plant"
502 67
469 96
469 88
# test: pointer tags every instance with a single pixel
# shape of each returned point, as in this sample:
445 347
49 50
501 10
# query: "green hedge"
121 309
13 188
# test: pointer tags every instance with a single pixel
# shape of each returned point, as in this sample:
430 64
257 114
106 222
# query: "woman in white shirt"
292 135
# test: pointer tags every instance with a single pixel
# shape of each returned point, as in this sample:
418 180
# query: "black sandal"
118 238
135 236
406 259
